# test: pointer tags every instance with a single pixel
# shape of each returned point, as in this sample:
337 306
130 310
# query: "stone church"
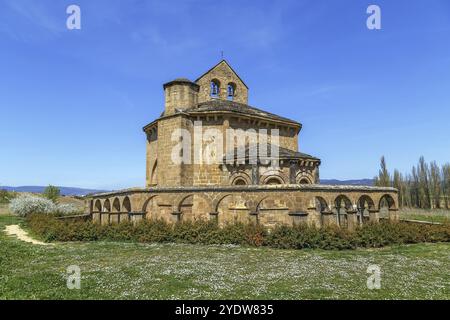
210 155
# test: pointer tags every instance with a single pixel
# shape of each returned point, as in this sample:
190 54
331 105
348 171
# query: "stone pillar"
393 215
255 174
253 217
136 217
300 217
313 218
292 172
104 218
176 216
374 216
361 215
96 217
214 216
124 217
114 218
328 218
352 220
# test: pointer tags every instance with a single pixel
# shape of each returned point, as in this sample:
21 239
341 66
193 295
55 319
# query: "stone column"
114 218
253 217
328 218
255 174
104 218
301 217
352 219
313 217
374 216
225 127
96 217
214 216
136 217
361 215
124 216
393 215
176 216
292 172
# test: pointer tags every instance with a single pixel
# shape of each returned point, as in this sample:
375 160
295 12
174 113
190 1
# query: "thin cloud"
156 39
29 18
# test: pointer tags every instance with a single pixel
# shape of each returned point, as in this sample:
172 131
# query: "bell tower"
222 82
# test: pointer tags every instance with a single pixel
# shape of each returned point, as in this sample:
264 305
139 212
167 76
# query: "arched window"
231 91
274 180
215 88
240 182
304 181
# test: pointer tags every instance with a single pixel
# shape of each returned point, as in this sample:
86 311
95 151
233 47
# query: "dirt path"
15 230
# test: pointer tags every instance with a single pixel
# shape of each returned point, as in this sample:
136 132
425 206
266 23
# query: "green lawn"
165 271
435 215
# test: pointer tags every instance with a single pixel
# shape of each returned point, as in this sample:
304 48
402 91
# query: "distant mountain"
65 191
70 191
360 182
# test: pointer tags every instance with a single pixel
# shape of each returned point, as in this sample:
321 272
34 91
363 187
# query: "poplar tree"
400 186
424 187
446 184
383 179
435 185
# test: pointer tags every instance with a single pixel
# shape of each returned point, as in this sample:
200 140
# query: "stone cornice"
257 188
286 123
193 114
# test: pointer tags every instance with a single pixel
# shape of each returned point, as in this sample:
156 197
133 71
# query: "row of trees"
426 187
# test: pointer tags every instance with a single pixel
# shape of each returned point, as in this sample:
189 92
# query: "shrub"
26 205
208 232
153 231
67 209
304 236
52 193
384 233
6 196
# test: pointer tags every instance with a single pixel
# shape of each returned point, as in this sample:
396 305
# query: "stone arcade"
241 190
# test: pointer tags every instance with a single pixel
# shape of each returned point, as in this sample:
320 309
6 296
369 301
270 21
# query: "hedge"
207 232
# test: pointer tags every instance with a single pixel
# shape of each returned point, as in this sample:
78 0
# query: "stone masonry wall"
225 75
269 205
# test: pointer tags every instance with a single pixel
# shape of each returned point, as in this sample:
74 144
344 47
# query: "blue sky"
73 102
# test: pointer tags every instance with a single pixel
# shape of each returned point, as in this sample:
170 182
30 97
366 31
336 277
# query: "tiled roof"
283 153
240 108
180 81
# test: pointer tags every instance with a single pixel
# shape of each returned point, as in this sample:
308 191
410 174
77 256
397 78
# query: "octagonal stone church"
239 187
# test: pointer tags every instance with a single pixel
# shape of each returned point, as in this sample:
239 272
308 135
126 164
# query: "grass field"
435 215
165 271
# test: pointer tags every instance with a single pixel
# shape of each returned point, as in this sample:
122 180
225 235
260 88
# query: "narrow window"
231 91
215 88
